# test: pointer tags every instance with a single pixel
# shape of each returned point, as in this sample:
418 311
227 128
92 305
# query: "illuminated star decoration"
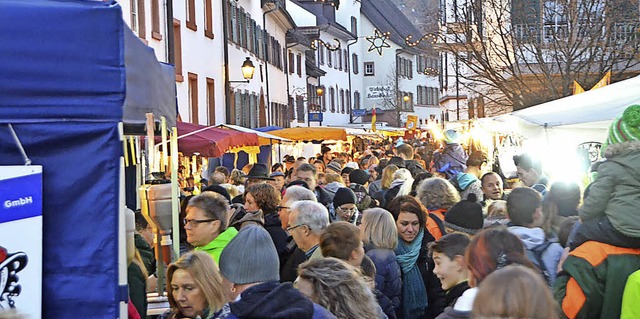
378 41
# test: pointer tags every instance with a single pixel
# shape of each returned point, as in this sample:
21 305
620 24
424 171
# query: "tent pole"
175 190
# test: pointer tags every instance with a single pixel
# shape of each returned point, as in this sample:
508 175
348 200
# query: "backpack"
448 164
535 256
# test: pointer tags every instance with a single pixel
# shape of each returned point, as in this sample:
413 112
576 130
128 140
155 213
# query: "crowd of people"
409 231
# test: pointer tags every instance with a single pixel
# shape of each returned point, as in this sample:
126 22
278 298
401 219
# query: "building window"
332 99
155 20
177 48
410 70
354 26
356 100
346 60
211 101
138 18
300 109
339 60
299 65
191 14
233 27
208 19
342 109
324 99
291 62
193 96
241 19
329 57
321 55
348 96
369 69
354 63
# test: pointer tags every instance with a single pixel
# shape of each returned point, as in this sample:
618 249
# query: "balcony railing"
620 32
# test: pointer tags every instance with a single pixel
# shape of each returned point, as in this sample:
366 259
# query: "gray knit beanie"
250 257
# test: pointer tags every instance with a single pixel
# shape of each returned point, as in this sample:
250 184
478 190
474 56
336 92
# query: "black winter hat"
344 196
465 216
218 189
346 170
397 161
259 171
358 176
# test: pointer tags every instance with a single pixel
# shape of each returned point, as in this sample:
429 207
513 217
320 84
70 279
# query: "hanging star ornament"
378 41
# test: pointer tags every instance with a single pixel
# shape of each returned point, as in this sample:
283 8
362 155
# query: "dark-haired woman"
422 294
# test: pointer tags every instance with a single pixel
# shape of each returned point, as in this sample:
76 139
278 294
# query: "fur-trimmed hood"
621 148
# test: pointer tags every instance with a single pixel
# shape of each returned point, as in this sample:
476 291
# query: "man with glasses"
206 223
307 222
294 255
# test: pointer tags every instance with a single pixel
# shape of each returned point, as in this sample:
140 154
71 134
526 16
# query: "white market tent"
589 107
556 128
574 119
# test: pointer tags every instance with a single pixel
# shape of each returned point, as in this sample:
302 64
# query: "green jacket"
631 297
615 192
593 278
215 247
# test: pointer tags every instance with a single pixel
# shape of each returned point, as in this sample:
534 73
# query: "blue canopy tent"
268 128
66 81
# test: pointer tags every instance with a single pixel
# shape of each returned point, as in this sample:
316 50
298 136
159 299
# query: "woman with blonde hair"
380 236
337 286
237 179
514 291
385 183
194 287
401 185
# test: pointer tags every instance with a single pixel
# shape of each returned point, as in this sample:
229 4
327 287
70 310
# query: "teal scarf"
414 293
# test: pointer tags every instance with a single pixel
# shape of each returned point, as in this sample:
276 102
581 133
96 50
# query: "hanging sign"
21 239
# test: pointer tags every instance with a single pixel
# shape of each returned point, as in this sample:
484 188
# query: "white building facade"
296 48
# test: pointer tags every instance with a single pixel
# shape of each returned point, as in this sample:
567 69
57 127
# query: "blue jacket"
388 274
275 300
534 237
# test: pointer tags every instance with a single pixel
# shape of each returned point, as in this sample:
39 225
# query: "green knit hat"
625 127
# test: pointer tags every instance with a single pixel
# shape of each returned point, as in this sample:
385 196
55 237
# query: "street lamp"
247 71
406 98
319 91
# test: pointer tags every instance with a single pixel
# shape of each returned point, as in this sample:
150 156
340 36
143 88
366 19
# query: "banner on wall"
412 122
21 239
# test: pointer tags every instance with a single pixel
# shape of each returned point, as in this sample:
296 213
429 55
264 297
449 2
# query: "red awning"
210 141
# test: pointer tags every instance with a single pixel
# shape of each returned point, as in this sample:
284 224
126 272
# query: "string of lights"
314 45
430 37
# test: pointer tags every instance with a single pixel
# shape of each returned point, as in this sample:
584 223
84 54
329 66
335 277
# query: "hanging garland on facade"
430 71
429 37
378 41
314 45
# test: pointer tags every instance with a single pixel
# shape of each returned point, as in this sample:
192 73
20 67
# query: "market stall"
211 141
317 134
266 153
558 129
68 87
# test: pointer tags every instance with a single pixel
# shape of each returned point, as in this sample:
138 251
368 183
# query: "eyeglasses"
348 210
279 208
196 222
294 227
